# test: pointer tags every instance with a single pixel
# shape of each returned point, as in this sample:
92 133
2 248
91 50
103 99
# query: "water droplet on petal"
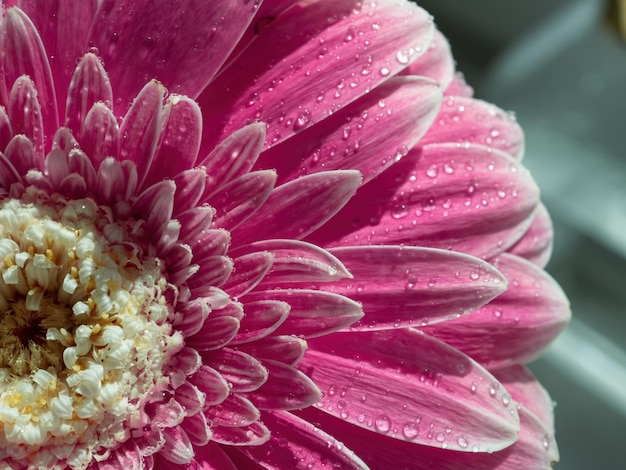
462 442
410 431
382 424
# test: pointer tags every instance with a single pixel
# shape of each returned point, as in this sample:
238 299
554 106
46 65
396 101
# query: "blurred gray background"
562 69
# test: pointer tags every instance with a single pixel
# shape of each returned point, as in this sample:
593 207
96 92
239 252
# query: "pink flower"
277 235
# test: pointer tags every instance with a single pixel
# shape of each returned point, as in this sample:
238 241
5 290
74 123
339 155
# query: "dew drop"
473 387
410 431
382 424
462 442
493 388
546 441
385 71
303 119
432 171
402 57
506 399
440 437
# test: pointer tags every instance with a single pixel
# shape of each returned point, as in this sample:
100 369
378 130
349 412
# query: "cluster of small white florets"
68 269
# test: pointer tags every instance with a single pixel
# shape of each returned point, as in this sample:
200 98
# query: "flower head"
262 234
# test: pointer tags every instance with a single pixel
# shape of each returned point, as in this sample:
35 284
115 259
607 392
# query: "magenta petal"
515 327
216 332
437 63
261 318
26 115
286 349
190 398
468 198
6 131
90 84
286 388
254 434
242 371
210 457
177 449
249 270
313 313
22 53
463 120
408 286
297 208
183 48
238 200
234 411
180 140
351 137
21 154
307 81
141 128
298 444
234 156
100 134
536 244
212 384
213 271
8 173
155 206
198 429
409 386
298 261
526 389
190 186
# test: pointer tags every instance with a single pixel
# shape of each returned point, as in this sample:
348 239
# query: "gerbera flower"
278 234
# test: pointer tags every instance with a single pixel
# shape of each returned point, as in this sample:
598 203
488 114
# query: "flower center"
83 331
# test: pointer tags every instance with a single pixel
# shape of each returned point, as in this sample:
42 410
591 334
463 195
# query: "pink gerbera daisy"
278 234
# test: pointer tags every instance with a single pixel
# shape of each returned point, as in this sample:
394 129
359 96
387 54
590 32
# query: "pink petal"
210 243
298 444
536 244
381 452
8 173
407 286
155 206
375 41
242 371
90 84
184 364
215 333
515 327
178 449
110 180
142 126
181 140
297 208
183 47
167 414
190 398
406 385
212 384
198 429
210 457
237 201
6 131
351 137
234 156
26 115
214 271
285 389
458 87
249 270
100 134
254 434
21 153
22 53
234 411
437 63
313 313
463 120
470 198
81 164
260 319
191 316
526 389
286 349
127 456
298 261
190 185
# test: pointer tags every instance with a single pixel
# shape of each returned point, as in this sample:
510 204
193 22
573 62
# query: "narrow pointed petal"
180 141
298 444
526 389
22 53
141 128
90 84
286 388
286 349
406 385
313 313
469 198
183 49
100 134
155 206
237 201
351 138
63 26
261 318
234 156
536 244
242 372
400 287
528 452
26 114
515 327
254 434
462 120
297 208
234 411
249 271
298 261
384 36
437 63
211 457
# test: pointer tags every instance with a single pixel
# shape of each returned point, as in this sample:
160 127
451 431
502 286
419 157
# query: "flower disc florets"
83 331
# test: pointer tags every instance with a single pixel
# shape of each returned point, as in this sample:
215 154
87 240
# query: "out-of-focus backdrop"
561 67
